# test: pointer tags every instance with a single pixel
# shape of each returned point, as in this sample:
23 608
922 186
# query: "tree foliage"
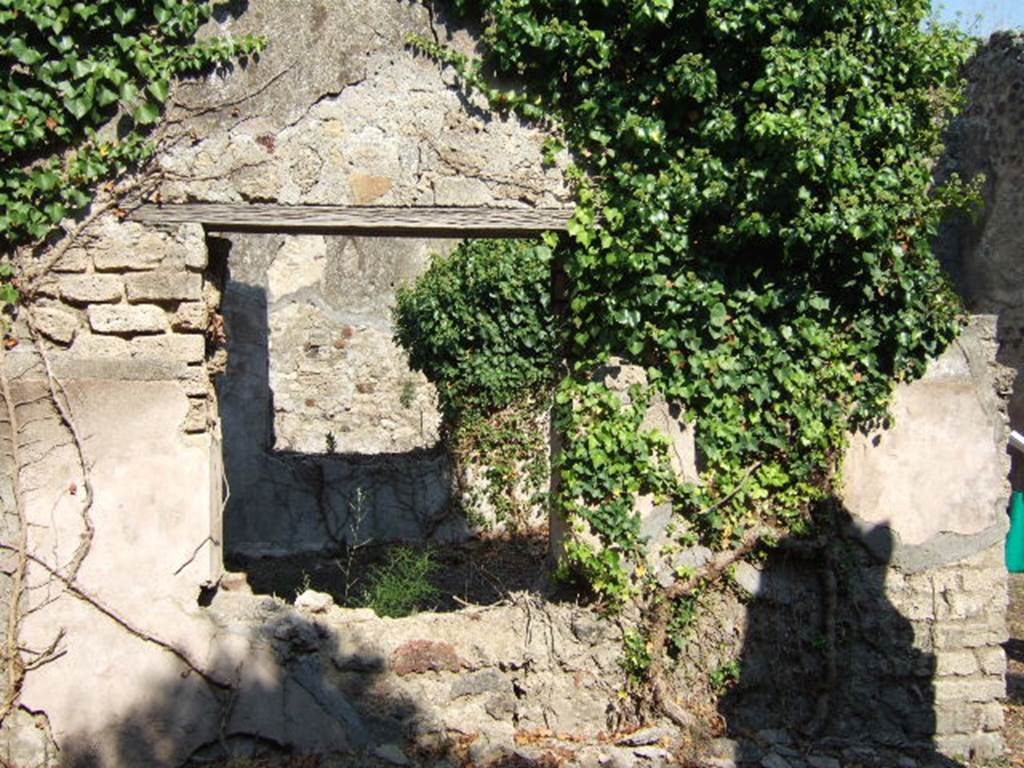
755 205
478 323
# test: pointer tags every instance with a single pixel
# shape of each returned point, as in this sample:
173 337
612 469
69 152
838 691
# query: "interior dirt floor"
477 572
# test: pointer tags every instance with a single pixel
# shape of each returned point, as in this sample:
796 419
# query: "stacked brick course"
134 297
958 613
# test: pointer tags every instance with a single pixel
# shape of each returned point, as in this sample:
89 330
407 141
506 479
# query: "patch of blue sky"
981 17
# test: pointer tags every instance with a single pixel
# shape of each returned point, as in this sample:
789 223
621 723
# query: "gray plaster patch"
941 549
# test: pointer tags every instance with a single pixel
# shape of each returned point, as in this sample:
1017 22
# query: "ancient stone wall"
890 635
984 253
136 323
328 435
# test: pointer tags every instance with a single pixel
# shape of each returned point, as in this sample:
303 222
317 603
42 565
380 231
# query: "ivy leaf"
17 47
146 113
159 89
79 106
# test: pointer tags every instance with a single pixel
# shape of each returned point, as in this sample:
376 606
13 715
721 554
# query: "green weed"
401 585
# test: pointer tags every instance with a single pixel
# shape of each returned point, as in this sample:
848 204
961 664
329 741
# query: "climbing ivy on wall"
479 324
755 204
81 84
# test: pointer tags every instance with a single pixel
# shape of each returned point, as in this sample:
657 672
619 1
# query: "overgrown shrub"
401 585
479 324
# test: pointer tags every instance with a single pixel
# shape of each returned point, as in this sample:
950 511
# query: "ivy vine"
479 324
755 206
82 84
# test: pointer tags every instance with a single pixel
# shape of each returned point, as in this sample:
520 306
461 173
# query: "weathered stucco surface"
149 554
328 435
340 112
937 477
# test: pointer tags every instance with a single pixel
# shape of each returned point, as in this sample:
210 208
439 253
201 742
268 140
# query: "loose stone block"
484 681
129 247
56 324
418 656
164 286
367 188
961 718
992 716
144 318
87 346
960 605
185 348
91 289
971 635
195 381
74 260
992 660
960 690
312 601
191 316
956 663
983 581
48 287
193 243
195 419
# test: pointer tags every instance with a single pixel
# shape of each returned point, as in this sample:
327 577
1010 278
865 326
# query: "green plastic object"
1015 538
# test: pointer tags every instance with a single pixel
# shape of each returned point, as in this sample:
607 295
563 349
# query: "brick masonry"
133 295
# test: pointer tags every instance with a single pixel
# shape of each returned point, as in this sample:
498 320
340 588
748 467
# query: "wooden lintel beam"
390 221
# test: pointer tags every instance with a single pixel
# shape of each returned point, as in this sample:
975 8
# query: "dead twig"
74 589
195 553
657 673
12 657
736 489
59 397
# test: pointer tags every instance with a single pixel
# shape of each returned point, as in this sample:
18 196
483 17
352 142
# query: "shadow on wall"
344 693
292 687
880 693
282 502
331 688
1015 682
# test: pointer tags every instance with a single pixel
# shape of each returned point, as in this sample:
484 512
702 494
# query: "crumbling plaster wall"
910 594
122 498
338 111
